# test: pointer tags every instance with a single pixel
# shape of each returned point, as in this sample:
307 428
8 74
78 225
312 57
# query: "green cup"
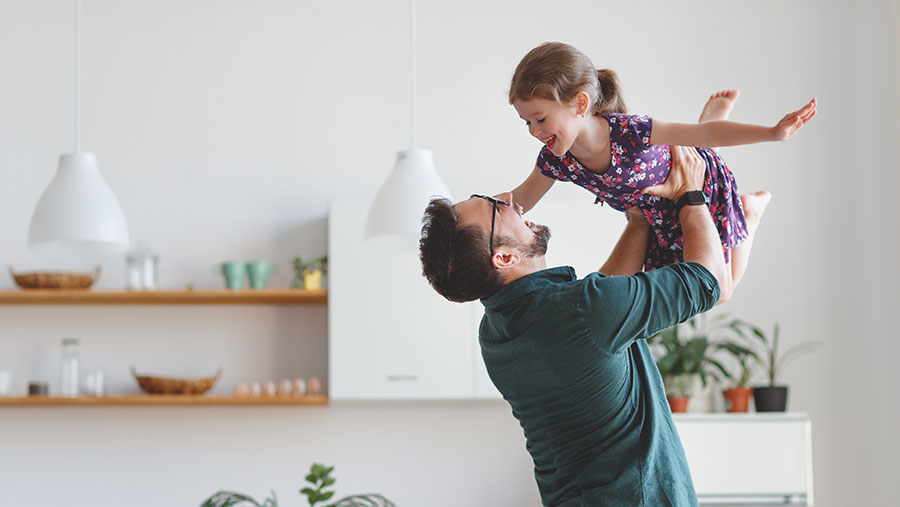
234 274
258 271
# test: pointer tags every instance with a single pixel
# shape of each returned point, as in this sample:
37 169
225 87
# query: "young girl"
578 112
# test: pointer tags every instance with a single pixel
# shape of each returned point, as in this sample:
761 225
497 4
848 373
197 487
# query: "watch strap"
691 198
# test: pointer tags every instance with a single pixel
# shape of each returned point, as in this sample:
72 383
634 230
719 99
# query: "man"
569 355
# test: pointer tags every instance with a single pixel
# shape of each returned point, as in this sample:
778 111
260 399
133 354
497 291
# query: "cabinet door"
749 459
391 336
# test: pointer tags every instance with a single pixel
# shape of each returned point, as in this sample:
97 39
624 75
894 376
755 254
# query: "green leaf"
718 365
327 495
328 481
228 499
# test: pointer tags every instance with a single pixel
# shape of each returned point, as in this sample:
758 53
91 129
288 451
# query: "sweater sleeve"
621 309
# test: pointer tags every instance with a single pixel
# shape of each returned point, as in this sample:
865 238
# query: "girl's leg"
719 105
754 207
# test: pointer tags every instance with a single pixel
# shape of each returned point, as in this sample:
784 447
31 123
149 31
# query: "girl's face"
554 124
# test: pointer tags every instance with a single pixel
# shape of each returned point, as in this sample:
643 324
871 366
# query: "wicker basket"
55 279
169 385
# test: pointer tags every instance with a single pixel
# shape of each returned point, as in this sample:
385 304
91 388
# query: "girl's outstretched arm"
532 189
713 134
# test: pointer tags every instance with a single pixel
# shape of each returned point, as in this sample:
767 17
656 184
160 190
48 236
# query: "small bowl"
173 385
55 279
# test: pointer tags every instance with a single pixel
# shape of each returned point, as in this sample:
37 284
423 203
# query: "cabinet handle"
402 378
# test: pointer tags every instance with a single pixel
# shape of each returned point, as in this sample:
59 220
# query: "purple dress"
636 164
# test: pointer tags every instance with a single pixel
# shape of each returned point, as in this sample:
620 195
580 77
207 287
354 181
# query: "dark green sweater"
569 357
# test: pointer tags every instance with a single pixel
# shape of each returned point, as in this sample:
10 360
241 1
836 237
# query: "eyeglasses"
495 202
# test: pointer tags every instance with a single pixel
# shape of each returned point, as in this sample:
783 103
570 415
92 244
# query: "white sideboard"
749 459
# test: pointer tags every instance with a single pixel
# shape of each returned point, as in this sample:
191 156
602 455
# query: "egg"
242 390
313 386
299 387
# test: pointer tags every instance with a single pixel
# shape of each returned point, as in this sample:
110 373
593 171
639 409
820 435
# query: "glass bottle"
69 368
141 268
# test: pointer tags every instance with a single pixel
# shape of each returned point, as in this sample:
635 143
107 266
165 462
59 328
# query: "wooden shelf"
164 297
160 399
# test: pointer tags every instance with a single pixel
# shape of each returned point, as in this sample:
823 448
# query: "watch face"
691 198
696 197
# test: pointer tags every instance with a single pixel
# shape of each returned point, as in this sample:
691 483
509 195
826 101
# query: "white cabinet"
749 459
391 336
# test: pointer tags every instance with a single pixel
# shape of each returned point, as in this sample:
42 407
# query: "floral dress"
636 164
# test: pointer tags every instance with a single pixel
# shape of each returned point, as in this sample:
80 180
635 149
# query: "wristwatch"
691 198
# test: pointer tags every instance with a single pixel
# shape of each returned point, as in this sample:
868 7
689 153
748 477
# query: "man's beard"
538 246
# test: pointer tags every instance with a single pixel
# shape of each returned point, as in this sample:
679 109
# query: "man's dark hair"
456 260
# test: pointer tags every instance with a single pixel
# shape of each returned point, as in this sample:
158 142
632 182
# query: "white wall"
225 127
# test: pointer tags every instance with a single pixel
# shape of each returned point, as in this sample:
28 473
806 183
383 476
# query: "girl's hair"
558 72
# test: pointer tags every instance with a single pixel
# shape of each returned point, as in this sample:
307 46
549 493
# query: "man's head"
458 258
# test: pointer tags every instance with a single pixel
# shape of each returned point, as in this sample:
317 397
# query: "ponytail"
609 99
558 72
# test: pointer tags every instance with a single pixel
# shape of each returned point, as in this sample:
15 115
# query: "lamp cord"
412 72
77 69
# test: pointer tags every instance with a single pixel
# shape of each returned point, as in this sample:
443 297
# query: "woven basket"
170 385
55 279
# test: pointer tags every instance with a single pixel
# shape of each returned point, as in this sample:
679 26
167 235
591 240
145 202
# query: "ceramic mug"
95 383
258 272
234 274
5 382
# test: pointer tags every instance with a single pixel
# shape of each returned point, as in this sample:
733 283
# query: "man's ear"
505 257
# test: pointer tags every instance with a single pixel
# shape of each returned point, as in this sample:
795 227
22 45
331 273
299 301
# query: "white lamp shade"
401 201
78 212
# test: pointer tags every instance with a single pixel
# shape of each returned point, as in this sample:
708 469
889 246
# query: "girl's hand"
790 124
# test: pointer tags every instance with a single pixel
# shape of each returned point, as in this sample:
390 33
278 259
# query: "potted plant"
320 478
738 395
772 397
309 274
681 360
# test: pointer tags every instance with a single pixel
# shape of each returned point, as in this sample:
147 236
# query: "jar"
141 268
69 368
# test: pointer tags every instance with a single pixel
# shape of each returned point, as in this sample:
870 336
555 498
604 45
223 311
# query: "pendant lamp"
400 202
78 212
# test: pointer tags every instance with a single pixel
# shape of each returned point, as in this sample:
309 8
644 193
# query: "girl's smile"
553 124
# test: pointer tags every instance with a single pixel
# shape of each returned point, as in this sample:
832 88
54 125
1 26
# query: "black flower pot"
770 398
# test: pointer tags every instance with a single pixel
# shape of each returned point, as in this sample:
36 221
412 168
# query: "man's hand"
636 217
687 173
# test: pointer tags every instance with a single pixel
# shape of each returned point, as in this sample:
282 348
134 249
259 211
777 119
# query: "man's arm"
701 240
626 308
630 252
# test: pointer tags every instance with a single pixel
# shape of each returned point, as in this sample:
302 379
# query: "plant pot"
737 398
770 398
678 404
312 280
